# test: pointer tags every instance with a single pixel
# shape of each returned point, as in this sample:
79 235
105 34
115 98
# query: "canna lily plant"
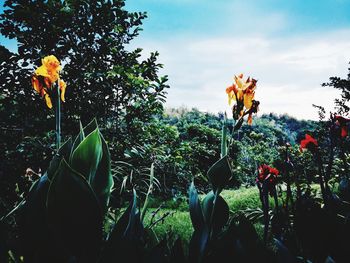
64 212
46 81
266 181
311 144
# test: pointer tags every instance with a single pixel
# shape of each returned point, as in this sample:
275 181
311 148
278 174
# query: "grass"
179 221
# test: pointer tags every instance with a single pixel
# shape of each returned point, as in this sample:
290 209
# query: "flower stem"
58 117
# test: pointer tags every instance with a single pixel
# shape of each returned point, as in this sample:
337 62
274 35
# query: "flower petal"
63 86
48 101
250 118
42 71
248 99
36 84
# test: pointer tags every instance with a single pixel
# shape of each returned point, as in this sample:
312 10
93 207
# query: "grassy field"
178 221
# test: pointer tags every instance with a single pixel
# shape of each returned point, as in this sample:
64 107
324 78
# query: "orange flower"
243 92
44 77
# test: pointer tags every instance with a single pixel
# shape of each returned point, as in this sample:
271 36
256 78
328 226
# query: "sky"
290 47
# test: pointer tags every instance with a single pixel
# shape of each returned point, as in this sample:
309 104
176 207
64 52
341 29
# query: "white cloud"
289 70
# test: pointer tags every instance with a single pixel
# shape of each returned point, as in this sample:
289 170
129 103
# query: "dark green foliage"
63 214
74 214
104 79
343 85
220 174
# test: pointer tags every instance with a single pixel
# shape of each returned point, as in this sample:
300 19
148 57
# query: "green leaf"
283 255
87 156
102 181
224 137
74 214
195 208
124 240
198 244
150 188
220 173
63 152
90 127
80 137
219 218
34 229
247 233
134 229
115 238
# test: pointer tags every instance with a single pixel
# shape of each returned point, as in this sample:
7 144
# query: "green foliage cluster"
105 80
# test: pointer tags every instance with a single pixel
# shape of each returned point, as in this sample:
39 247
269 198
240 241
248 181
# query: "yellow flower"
44 77
242 92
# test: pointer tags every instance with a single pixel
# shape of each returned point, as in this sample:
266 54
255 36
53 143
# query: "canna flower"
268 175
45 76
343 123
308 143
243 92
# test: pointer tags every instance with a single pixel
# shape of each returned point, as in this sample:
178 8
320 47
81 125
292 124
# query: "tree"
104 78
342 104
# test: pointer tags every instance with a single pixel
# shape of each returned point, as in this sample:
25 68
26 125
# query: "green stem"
58 117
323 183
224 137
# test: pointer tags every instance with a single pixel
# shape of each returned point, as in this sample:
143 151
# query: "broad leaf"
87 156
90 127
74 214
36 238
220 173
219 218
198 244
102 181
195 208
80 137
63 152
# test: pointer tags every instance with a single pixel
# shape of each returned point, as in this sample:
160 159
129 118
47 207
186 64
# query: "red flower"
343 124
267 174
308 143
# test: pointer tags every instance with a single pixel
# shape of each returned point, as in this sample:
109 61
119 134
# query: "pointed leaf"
135 228
102 181
198 244
150 188
80 137
220 174
90 127
74 213
63 152
87 156
221 211
195 208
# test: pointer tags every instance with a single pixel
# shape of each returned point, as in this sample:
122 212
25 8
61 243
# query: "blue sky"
236 16
291 47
